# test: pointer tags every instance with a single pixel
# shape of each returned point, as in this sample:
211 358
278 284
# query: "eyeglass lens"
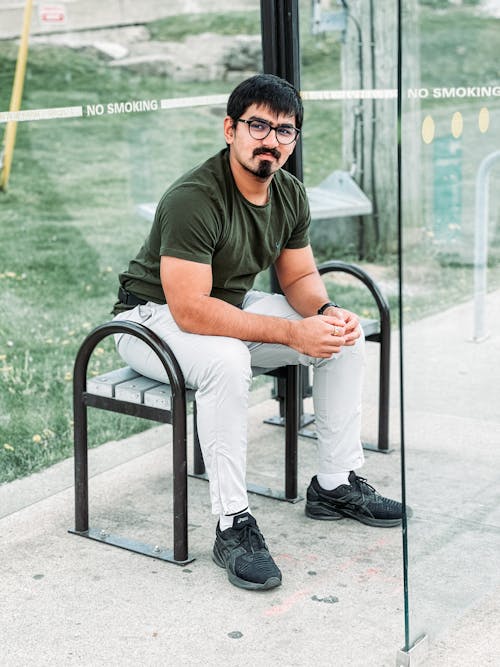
260 130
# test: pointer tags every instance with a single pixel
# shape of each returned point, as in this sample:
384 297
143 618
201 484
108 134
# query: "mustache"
272 151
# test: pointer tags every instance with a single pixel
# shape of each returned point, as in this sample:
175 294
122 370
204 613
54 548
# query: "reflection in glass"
452 399
82 189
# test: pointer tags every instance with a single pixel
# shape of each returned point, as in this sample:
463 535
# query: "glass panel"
451 296
82 189
349 81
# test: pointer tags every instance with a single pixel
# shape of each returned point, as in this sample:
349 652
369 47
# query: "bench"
125 391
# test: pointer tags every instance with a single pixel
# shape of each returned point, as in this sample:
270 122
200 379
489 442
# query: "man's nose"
271 139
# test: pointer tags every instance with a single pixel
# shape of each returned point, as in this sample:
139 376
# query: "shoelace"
366 493
253 535
363 484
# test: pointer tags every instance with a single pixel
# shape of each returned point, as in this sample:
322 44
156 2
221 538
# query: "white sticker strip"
41 114
201 101
128 106
180 103
369 94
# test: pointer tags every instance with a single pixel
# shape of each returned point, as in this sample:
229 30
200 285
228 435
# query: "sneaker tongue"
242 520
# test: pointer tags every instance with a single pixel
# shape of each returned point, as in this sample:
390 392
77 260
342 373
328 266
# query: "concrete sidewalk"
71 601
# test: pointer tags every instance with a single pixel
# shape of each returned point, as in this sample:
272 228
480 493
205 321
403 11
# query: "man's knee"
359 345
229 365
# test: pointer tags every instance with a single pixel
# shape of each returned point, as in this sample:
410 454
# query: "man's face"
260 157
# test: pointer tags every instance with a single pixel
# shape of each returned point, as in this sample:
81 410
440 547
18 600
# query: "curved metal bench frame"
176 417
383 337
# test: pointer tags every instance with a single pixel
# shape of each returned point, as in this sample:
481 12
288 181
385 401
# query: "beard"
264 170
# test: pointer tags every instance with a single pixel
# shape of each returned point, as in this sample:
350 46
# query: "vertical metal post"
399 211
281 54
291 430
179 456
384 379
80 447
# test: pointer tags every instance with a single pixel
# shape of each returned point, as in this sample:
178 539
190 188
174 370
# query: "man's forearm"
314 336
213 317
307 294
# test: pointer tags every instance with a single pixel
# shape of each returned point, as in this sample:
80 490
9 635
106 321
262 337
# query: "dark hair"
267 90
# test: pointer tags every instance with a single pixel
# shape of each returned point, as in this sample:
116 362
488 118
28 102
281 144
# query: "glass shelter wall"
119 100
451 297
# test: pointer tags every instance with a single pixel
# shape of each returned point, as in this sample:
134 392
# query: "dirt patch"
203 57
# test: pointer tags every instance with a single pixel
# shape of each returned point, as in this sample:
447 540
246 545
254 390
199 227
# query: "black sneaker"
243 552
357 500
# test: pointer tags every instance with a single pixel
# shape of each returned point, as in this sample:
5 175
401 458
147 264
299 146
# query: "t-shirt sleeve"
299 237
188 224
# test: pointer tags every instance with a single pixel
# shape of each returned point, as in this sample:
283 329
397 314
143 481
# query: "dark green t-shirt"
204 218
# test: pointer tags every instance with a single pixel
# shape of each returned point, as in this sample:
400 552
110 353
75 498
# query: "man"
214 230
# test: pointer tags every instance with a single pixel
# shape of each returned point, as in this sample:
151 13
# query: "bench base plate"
259 490
100 535
312 434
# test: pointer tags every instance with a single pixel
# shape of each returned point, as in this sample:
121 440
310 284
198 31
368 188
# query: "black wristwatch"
327 305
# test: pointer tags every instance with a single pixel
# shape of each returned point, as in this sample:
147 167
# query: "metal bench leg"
199 470
176 416
384 383
179 453
198 462
81 465
291 430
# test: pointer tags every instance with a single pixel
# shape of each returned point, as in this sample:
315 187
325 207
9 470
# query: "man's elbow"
184 318
298 280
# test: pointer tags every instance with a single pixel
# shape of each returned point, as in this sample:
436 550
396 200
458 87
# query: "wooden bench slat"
133 390
104 385
161 397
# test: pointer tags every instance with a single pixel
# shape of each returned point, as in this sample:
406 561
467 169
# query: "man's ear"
228 130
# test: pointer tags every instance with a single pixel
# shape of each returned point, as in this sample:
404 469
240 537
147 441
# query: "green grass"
234 23
458 47
69 226
68 223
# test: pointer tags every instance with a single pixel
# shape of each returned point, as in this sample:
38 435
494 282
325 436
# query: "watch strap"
327 305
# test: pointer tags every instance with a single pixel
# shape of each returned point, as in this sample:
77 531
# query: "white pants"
219 368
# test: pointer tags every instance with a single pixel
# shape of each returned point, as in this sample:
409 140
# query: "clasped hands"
324 335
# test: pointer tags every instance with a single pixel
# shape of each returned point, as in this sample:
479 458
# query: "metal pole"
15 101
399 213
281 56
481 245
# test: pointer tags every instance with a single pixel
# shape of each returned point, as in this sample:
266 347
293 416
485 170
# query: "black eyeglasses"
260 129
